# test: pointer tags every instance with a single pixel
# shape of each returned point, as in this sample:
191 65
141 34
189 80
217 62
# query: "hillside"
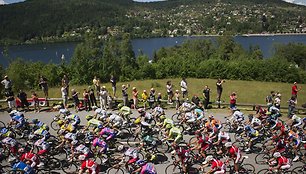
57 20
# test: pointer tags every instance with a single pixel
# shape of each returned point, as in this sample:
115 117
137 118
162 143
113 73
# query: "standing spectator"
23 100
7 83
277 100
92 97
103 98
86 100
64 95
152 98
113 82
206 95
184 90
135 97
295 90
291 106
269 98
144 97
125 95
9 95
43 84
169 92
233 99
35 101
219 89
159 98
177 99
76 100
65 82
96 83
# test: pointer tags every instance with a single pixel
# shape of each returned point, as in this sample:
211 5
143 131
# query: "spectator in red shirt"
233 98
295 90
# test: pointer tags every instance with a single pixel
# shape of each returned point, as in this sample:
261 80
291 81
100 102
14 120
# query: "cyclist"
252 135
81 150
133 155
109 133
16 113
280 145
11 143
202 144
296 121
147 116
183 156
237 116
282 162
19 165
158 111
42 132
124 111
65 112
174 134
68 138
217 166
29 158
294 138
17 120
116 122
223 137
165 121
100 114
255 122
96 124
88 166
39 124
234 153
43 145
4 132
74 120
214 122
98 142
145 168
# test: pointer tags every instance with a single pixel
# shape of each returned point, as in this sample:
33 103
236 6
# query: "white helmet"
208 159
294 117
276 155
228 144
74 142
120 148
82 157
31 136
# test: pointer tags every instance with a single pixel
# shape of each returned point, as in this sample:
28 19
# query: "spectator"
219 89
277 100
76 100
233 99
206 95
113 82
9 95
184 90
269 98
195 99
64 95
291 106
35 101
86 100
169 92
96 83
92 97
177 99
43 84
159 98
65 82
23 100
7 83
152 98
135 98
103 98
144 97
295 90
125 95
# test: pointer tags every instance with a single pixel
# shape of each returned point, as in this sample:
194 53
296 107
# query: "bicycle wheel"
16 172
54 125
172 169
262 158
263 171
193 141
53 164
247 168
300 169
2 124
113 170
69 167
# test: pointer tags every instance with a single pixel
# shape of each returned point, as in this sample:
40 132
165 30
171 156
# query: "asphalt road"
47 117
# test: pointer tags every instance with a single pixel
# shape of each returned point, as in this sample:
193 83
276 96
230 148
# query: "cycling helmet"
140 162
74 142
34 121
162 118
21 150
120 148
276 155
94 107
89 117
247 128
208 159
13 112
120 105
3 130
31 136
60 122
82 157
168 126
294 117
228 144
100 126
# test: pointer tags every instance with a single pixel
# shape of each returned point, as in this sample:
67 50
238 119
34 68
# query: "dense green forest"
57 20
195 58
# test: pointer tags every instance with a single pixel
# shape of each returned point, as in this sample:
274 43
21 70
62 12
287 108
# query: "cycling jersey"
281 145
252 132
148 169
94 122
23 167
101 113
132 152
97 142
41 143
234 152
190 117
5 132
204 143
63 111
20 121
42 132
175 133
29 157
107 131
238 116
158 110
70 136
217 165
82 149
223 136
75 118
282 161
91 166
9 141
125 110
116 119
42 125
183 154
199 114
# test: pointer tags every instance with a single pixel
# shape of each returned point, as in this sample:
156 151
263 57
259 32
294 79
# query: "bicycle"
243 168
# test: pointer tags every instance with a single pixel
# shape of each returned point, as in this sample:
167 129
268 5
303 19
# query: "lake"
56 51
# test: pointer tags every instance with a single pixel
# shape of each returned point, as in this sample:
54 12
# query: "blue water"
54 52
